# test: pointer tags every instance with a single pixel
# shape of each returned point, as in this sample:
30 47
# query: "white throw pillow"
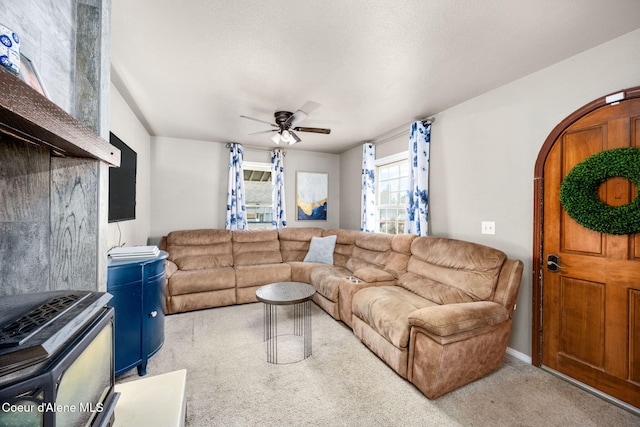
321 250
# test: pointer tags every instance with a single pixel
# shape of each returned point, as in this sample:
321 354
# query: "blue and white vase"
9 49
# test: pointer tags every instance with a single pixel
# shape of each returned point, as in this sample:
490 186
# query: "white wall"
351 186
483 153
190 178
126 126
189 185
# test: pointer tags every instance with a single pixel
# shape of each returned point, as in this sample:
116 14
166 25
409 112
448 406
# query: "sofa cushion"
326 279
186 282
400 253
370 250
294 242
345 241
255 247
372 275
321 250
468 267
190 243
198 237
263 274
201 262
386 309
301 271
432 290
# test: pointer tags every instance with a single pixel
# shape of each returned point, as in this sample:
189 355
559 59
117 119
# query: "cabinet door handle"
153 313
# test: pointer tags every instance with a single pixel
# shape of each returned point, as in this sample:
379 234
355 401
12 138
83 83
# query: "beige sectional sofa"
437 311
448 319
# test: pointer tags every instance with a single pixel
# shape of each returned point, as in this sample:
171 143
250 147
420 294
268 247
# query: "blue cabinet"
138 298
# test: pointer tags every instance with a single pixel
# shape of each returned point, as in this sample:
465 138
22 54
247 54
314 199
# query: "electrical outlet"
488 227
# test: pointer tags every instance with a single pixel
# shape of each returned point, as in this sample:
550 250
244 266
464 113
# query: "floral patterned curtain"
279 219
369 212
236 210
417 218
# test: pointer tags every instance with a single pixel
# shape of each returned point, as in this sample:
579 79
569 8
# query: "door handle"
553 263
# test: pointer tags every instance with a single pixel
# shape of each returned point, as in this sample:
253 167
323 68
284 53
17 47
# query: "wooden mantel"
26 114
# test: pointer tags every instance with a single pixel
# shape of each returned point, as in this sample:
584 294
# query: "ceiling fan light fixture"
276 138
285 136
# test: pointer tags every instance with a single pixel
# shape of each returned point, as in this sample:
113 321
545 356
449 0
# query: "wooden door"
591 306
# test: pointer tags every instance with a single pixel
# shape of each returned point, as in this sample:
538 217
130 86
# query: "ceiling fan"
286 122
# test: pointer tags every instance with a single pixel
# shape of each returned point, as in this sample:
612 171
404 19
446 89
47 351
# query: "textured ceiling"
189 69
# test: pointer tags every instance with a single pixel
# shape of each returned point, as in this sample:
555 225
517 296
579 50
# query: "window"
391 194
257 188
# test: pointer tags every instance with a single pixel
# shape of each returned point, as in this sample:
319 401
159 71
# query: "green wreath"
579 191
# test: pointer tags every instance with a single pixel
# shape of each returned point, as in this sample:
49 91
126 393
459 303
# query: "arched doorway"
586 302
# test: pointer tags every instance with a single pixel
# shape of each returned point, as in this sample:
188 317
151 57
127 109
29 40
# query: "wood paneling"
51 220
634 335
575 147
74 223
582 317
24 251
24 181
24 217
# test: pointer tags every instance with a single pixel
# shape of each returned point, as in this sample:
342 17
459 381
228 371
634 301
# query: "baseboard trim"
523 357
588 388
518 355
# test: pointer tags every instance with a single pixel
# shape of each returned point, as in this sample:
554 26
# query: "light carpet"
230 383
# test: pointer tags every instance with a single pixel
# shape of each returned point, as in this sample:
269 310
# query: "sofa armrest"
450 319
170 268
373 275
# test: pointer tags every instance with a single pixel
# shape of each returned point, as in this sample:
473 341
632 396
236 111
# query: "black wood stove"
56 359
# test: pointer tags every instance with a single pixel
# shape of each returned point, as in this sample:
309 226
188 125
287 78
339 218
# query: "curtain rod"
399 131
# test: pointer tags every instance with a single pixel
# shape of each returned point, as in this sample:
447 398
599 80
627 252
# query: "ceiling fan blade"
258 120
295 138
309 107
313 130
263 131
294 119
301 113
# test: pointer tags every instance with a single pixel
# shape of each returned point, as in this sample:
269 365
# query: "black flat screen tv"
122 183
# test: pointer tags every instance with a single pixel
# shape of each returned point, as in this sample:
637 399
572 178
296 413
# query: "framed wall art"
29 74
312 195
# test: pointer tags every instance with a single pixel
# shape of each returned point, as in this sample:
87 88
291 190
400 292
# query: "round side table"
286 293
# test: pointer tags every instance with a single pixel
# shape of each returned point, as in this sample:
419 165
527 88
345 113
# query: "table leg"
307 328
298 319
301 328
271 332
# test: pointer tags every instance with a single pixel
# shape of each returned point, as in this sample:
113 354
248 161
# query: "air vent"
20 330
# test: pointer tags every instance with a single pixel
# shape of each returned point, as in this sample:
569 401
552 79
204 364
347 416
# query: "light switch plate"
488 227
